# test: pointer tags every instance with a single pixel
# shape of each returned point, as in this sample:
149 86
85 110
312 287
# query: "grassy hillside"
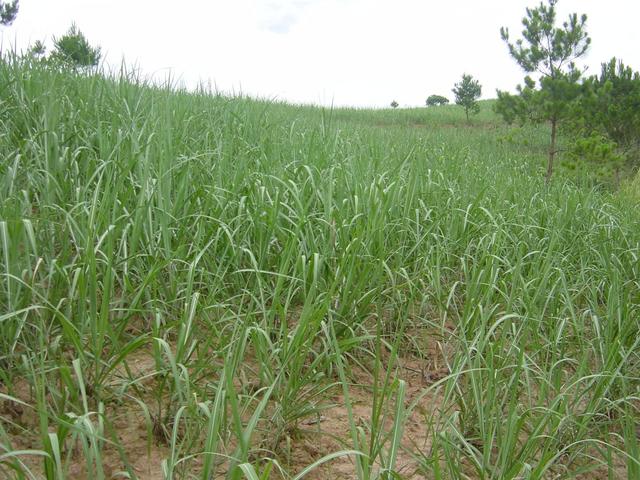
193 286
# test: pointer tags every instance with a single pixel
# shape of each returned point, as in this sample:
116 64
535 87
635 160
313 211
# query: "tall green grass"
252 254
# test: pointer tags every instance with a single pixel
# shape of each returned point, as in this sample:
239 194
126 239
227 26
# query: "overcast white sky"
349 52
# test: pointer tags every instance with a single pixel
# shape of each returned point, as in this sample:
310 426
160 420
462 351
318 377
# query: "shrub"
435 100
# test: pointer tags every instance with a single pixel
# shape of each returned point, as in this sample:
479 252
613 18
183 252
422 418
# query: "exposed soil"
314 438
324 437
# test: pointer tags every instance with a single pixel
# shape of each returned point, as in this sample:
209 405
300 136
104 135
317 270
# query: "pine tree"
74 49
8 12
550 52
467 93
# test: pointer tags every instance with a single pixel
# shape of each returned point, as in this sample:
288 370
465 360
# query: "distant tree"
74 49
550 52
467 93
8 12
37 50
394 104
434 100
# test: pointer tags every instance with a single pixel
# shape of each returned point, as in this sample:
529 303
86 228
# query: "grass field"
195 286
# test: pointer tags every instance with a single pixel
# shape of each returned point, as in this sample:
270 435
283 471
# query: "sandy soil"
314 438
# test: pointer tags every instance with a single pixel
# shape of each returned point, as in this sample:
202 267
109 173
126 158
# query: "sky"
362 53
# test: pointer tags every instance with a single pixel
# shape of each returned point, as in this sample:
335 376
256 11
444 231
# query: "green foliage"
551 100
610 105
37 50
604 122
551 52
600 154
631 189
512 108
467 93
394 104
435 100
545 48
8 12
74 49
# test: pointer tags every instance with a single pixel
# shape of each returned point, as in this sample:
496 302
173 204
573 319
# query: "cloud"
281 16
281 24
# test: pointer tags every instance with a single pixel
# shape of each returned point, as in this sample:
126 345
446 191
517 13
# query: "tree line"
599 114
